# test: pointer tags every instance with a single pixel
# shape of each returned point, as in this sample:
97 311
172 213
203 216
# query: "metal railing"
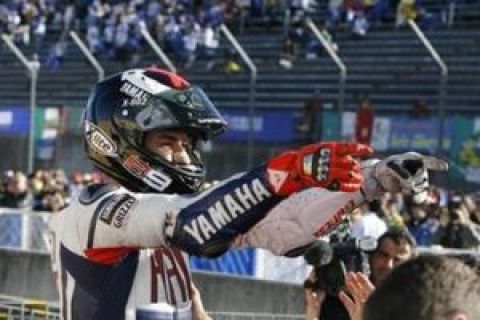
252 90
155 47
33 67
338 62
443 81
86 52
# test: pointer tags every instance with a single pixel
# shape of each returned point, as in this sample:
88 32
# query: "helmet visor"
190 110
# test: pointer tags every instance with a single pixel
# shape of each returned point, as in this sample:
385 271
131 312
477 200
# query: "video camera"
331 262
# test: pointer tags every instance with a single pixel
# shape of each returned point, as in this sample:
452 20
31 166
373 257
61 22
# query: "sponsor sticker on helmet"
135 93
136 166
99 140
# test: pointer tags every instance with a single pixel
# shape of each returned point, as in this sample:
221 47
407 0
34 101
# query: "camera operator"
333 294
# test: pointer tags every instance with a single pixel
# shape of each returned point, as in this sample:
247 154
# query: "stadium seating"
390 65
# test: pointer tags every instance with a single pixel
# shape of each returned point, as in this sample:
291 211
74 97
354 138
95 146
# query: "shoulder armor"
93 192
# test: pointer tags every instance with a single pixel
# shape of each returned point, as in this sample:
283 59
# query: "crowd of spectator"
44 190
407 234
450 220
187 29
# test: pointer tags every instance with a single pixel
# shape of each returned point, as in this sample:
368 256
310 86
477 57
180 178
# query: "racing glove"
407 173
330 165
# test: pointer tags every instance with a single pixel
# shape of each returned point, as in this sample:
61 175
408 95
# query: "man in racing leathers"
121 247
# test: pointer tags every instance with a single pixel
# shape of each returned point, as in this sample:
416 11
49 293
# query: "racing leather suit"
116 250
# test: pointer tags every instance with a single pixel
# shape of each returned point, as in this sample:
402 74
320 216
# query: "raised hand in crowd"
313 300
359 289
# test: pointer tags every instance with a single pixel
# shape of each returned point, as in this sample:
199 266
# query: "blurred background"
400 75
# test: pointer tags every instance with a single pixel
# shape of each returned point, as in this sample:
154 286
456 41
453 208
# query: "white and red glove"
408 173
304 216
330 165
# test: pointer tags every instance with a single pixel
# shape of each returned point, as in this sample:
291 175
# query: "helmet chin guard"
124 107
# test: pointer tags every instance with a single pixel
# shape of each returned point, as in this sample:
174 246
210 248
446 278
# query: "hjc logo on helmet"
123 107
100 140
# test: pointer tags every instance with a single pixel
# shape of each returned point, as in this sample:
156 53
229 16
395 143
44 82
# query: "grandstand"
390 65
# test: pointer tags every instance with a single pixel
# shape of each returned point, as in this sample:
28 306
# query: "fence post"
443 82
341 66
155 47
252 90
86 52
32 66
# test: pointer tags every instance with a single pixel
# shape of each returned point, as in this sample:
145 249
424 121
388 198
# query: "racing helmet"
120 111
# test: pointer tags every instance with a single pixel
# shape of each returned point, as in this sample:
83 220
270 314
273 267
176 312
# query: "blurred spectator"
210 41
191 39
174 38
335 12
53 202
364 121
313 48
297 30
68 16
39 31
16 193
406 10
56 55
458 232
44 190
215 14
120 40
392 205
377 10
427 288
359 25
231 64
288 54
420 109
310 122
368 223
420 225
76 184
93 40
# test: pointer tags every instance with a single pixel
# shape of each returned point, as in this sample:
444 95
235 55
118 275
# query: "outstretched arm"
206 224
303 217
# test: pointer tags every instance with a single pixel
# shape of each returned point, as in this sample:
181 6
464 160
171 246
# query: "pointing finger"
434 163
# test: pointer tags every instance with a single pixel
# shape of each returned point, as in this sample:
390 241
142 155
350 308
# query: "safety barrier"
16 308
24 229
13 308
27 230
